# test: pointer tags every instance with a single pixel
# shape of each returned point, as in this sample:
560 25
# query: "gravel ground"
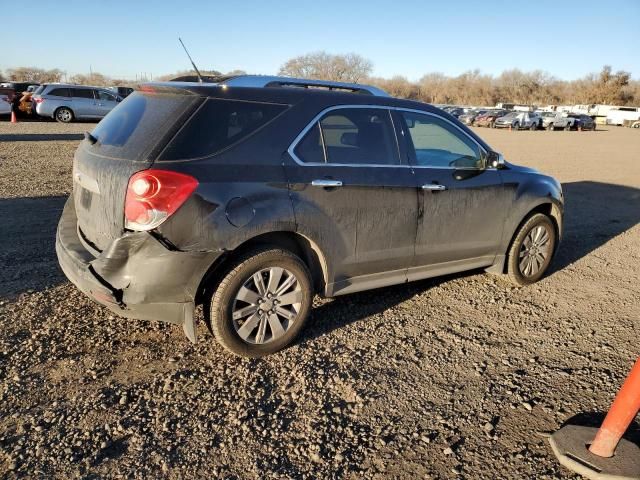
456 377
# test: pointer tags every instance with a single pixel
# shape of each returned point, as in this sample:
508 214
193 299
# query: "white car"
519 120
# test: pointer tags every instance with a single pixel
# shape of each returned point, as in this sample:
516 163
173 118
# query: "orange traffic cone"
608 455
14 119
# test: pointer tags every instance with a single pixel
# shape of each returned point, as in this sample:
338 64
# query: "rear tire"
567 127
253 312
550 127
531 250
516 126
533 127
63 115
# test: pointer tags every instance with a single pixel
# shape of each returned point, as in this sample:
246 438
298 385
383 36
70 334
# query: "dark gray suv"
251 194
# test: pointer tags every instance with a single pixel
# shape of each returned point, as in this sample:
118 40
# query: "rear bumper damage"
136 276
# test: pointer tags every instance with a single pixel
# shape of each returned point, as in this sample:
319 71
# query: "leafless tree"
324 66
33 74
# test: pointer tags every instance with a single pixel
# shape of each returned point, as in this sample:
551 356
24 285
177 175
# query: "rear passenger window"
219 124
59 92
82 93
351 136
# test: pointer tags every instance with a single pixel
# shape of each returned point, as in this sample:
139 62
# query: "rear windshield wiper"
92 140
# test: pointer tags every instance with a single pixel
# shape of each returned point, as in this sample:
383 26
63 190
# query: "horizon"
450 39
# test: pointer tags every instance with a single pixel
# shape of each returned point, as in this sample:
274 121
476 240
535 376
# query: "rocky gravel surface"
456 377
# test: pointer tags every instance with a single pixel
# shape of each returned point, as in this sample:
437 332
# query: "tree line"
469 88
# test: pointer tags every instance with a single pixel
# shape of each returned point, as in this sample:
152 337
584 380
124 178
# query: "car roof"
285 94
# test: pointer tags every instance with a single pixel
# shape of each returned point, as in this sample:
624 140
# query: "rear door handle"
326 183
434 186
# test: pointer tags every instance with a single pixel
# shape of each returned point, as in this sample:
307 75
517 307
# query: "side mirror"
495 160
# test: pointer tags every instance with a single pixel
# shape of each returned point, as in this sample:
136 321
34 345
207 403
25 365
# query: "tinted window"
59 92
105 97
138 124
218 124
351 136
437 143
82 93
310 149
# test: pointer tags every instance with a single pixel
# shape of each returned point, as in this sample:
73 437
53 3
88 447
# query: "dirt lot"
455 377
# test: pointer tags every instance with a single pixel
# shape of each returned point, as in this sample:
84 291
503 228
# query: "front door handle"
434 186
326 183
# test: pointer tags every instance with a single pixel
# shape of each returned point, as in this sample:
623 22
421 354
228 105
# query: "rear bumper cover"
136 276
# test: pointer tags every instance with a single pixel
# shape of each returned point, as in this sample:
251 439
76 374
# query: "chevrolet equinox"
250 194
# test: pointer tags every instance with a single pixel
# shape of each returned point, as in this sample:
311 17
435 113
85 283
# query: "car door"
105 102
462 202
82 102
354 196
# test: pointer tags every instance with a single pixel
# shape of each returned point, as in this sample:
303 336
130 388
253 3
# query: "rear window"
39 89
139 123
59 92
219 124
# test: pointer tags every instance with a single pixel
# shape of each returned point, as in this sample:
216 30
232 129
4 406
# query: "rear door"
354 196
462 203
126 142
82 102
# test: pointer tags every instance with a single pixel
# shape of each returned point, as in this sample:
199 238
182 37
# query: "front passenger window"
437 143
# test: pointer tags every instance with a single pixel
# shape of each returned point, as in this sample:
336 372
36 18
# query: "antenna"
192 63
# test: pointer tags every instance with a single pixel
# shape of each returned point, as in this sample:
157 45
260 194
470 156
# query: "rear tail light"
153 196
39 100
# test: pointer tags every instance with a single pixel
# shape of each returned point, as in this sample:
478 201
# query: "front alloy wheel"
532 250
64 115
261 303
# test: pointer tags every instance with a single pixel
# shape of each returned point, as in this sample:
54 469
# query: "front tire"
64 115
262 303
532 250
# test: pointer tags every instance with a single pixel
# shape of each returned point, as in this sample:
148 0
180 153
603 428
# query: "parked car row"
521 120
62 102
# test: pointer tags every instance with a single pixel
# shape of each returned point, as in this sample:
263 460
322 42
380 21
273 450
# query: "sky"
402 37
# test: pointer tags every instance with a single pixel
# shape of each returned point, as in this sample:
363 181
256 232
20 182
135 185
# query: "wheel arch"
305 248
549 209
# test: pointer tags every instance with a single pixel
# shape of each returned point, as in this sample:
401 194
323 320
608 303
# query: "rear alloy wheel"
262 303
531 251
550 127
64 115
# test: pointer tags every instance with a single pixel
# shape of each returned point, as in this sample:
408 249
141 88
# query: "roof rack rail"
263 81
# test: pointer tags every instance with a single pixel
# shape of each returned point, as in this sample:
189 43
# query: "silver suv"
66 103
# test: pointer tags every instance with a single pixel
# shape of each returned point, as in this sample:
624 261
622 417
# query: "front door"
461 201
105 102
355 198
